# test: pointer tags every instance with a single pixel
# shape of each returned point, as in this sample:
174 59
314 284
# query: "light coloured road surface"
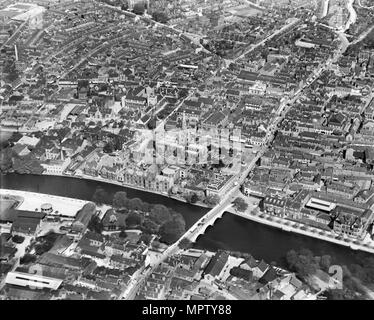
15 34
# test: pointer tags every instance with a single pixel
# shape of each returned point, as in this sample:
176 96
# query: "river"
230 233
84 189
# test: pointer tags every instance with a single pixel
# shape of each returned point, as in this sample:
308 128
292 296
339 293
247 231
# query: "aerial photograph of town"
186 150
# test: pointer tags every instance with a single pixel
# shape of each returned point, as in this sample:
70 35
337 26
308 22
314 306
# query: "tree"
151 124
139 8
192 198
95 224
160 214
100 196
6 161
136 204
302 262
172 230
18 239
291 259
28 258
335 294
125 5
240 204
27 165
185 243
150 226
145 238
212 200
160 16
120 200
325 262
108 148
133 219
123 234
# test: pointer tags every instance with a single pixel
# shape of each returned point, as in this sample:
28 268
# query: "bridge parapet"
202 225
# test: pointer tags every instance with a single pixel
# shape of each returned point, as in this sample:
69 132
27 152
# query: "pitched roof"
251 262
277 295
217 263
262 265
295 282
270 275
241 273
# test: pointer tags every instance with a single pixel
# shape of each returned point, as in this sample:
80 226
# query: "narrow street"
288 25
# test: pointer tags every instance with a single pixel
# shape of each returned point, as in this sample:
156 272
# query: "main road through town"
290 24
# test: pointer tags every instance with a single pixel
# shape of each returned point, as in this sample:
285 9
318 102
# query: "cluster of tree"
5 268
212 200
150 226
27 165
134 219
304 263
28 258
352 289
95 224
151 219
113 145
145 238
6 160
18 239
152 123
218 165
364 270
185 243
10 161
173 229
100 196
45 243
139 8
160 16
123 234
240 204
219 47
191 197
125 5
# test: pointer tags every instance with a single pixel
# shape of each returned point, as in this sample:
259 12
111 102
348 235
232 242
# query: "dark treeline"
150 218
358 278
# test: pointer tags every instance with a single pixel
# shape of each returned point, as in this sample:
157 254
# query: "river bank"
129 186
235 233
84 189
296 228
